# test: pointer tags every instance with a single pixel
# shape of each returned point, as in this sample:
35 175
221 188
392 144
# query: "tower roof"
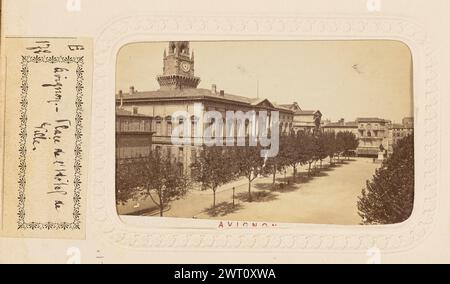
178 70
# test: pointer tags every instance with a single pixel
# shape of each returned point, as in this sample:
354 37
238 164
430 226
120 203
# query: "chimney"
121 98
214 89
132 90
222 93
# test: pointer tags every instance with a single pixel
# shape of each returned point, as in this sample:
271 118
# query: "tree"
310 150
321 151
161 179
350 142
345 141
291 152
127 180
279 162
213 168
388 198
330 145
250 164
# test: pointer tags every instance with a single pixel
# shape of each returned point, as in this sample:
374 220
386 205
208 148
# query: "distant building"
408 123
341 126
400 131
304 120
133 135
373 135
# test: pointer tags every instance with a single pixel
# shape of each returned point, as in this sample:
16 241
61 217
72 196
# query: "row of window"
169 129
144 125
128 152
373 133
177 155
400 134
368 125
133 125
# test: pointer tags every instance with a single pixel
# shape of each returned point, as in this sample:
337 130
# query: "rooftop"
195 93
350 124
122 112
370 119
305 112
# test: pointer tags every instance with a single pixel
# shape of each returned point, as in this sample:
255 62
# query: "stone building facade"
341 126
133 135
179 91
399 131
304 120
373 134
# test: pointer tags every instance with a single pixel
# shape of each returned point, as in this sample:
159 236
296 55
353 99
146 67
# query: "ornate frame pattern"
325 238
75 224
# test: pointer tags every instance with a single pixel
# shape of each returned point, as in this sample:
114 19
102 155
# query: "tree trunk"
274 174
320 164
161 203
294 175
214 198
250 190
309 168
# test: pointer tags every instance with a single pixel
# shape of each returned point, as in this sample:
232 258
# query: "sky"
342 79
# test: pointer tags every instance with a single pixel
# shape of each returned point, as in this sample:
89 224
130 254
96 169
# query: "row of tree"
159 177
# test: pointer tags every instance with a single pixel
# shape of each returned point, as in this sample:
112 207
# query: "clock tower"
178 70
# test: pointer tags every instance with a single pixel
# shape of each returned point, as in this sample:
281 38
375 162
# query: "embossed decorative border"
21 223
138 28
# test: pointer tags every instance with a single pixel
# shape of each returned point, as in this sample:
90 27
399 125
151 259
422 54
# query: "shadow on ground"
257 196
329 168
222 209
278 187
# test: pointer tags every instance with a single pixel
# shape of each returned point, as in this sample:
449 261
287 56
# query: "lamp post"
233 195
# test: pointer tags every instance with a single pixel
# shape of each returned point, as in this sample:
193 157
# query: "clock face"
185 66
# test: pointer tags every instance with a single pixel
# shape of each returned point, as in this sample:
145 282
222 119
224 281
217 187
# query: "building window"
212 128
193 127
169 153
158 128
180 168
147 125
180 154
169 128
247 128
180 123
125 125
135 110
194 156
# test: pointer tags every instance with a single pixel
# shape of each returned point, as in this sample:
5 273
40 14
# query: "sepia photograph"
224 140
317 132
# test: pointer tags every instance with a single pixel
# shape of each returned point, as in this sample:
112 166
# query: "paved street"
328 198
